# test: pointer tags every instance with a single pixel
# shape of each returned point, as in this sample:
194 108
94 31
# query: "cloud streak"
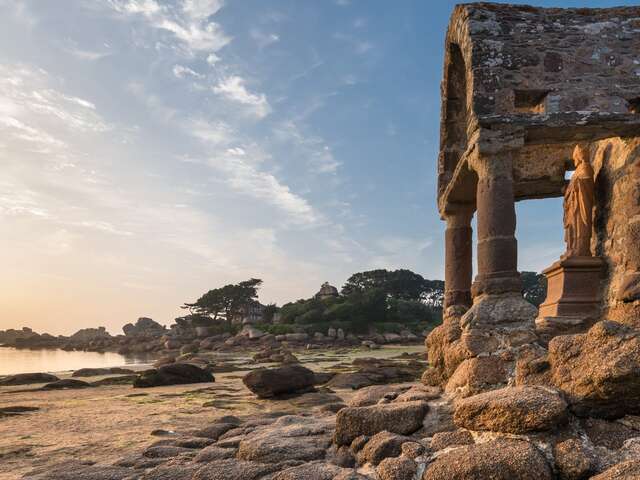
245 178
189 22
233 89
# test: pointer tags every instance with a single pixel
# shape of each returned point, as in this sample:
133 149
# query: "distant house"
327 291
252 312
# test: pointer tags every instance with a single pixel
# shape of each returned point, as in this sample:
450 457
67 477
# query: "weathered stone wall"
617 223
548 60
523 78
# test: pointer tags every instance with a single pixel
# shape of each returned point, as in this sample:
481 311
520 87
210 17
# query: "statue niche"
574 300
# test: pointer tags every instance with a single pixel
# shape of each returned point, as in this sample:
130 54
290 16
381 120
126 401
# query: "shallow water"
29 361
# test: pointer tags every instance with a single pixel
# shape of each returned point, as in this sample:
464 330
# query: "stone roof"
520 78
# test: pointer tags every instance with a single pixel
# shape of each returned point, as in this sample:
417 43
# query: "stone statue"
579 199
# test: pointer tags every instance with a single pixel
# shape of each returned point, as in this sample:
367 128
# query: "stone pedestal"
573 300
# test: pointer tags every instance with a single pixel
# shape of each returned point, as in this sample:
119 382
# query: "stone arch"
455 109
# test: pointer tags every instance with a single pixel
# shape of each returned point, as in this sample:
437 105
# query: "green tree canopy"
354 312
399 284
411 311
358 311
225 302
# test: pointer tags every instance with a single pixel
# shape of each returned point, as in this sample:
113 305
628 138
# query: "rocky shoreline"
322 415
357 419
24 404
149 337
503 404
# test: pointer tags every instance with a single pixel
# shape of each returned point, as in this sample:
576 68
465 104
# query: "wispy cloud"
233 88
20 201
89 55
202 9
17 201
263 39
103 226
189 22
318 154
180 71
38 140
21 13
217 133
34 113
153 102
60 242
245 178
307 71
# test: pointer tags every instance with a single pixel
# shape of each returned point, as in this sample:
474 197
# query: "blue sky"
154 149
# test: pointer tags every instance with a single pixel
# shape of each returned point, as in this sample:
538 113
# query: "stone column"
496 218
458 257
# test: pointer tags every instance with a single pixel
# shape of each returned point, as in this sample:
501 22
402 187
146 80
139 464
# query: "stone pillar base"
496 283
496 323
573 300
494 333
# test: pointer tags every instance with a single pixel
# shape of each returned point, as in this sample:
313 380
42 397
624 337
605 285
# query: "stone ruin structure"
528 95
522 87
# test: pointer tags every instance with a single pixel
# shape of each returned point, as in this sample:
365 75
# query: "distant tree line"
388 299
375 297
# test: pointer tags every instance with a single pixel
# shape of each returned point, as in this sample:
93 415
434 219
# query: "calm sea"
29 361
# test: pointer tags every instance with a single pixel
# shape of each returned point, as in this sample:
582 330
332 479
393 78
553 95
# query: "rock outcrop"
402 418
86 335
290 437
94 372
66 384
512 410
398 468
497 460
598 371
173 374
442 440
272 382
144 327
382 445
573 460
624 471
27 379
